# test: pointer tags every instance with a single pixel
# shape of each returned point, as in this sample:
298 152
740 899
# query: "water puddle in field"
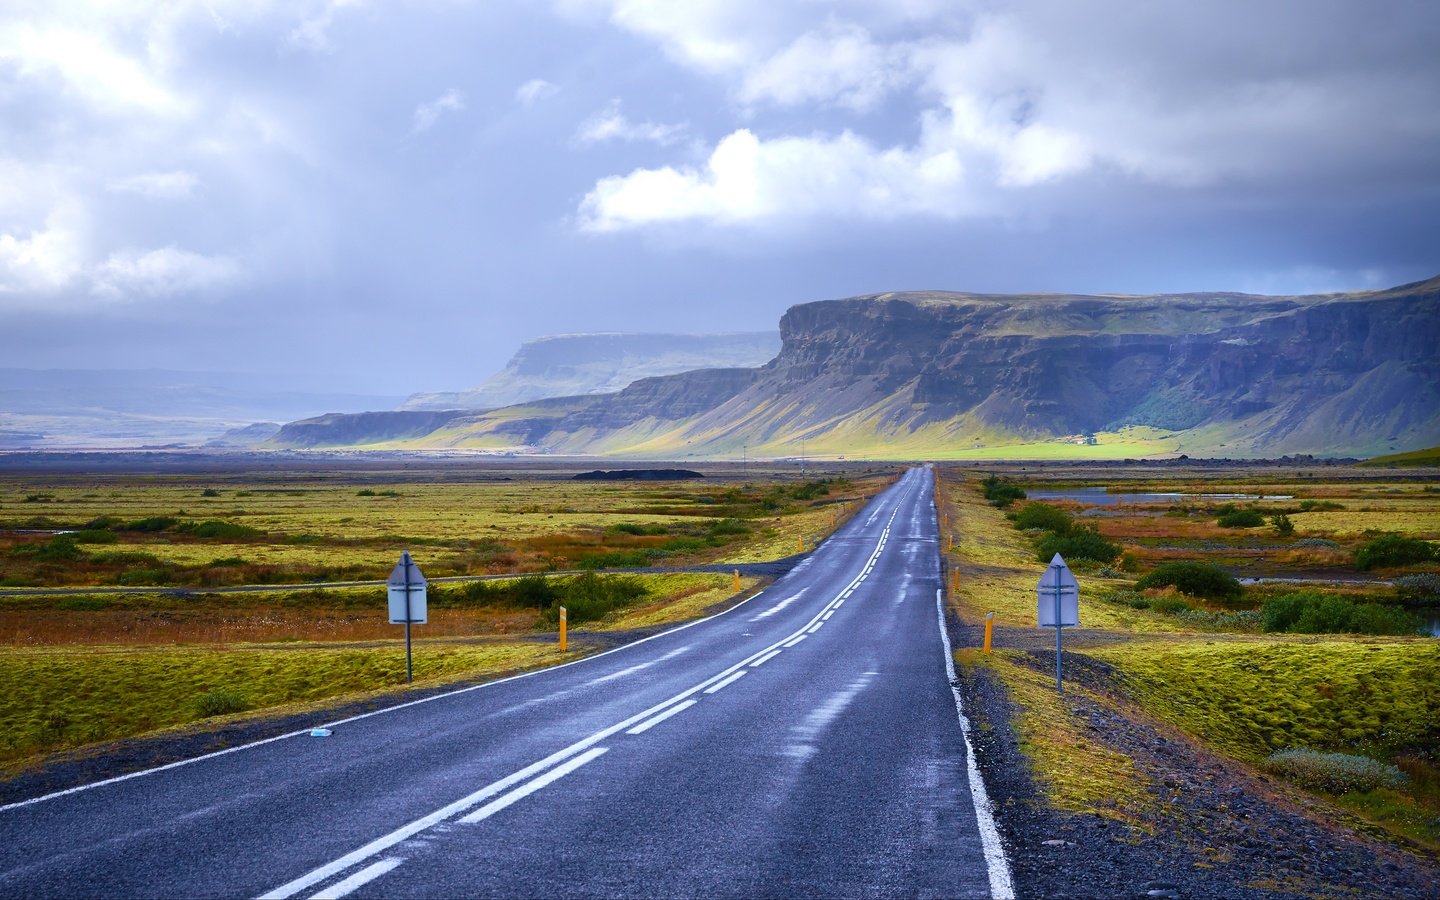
1101 496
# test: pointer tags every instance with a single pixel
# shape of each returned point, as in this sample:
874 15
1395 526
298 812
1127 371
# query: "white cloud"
610 124
747 180
313 32
158 185
426 114
535 90
840 65
164 272
90 66
41 261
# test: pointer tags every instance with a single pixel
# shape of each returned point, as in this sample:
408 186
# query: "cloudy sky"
390 196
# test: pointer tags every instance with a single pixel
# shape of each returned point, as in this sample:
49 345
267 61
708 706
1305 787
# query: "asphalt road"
804 743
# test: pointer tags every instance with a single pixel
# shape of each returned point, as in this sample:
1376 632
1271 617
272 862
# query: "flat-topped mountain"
940 373
566 365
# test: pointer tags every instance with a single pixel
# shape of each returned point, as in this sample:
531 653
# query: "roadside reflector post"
989 629
737 581
406 589
563 628
799 544
1058 605
956 588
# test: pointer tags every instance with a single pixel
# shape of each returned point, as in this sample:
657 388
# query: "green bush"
1241 518
1311 612
615 559
1000 493
219 702
588 597
58 548
1320 505
632 528
535 590
1043 516
209 492
1198 579
1393 550
1337 773
223 530
152 523
126 558
1282 525
1169 604
94 536
1078 543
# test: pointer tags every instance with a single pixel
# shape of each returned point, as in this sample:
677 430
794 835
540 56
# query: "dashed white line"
721 685
656 720
359 879
814 628
531 787
793 641
827 616
764 659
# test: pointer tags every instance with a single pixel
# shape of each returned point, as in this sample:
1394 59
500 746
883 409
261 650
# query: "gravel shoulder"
1213 827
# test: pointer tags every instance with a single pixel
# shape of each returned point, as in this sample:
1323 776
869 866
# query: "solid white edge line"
531 787
389 709
764 659
359 879
996 864
656 720
720 686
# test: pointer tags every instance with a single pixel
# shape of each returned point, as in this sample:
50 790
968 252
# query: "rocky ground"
1215 828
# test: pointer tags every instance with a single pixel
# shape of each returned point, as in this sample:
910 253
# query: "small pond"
1100 496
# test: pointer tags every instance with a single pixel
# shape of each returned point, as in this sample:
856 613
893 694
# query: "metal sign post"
1058 600
406 588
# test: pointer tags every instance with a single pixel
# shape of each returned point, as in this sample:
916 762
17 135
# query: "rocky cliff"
936 373
574 364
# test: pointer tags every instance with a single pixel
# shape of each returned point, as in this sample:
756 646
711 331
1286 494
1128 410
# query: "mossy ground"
1242 695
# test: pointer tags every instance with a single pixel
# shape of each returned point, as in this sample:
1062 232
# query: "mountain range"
936 373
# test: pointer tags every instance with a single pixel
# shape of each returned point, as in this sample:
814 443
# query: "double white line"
557 765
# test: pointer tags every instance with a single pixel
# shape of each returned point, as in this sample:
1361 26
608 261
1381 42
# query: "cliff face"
924 373
574 364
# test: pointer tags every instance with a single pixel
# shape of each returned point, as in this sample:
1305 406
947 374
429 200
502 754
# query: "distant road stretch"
807 742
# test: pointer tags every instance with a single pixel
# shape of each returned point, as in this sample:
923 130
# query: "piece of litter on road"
1058 843
320 732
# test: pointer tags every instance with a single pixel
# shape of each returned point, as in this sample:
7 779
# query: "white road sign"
407 582
1058 580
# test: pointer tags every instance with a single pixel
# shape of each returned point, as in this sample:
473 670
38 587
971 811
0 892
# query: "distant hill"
102 408
1031 375
1429 456
573 364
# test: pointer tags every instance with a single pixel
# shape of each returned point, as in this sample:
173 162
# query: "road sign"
406 587
1058 599
407 593
1058 581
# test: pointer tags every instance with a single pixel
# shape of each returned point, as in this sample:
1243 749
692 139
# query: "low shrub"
209 492
219 702
1000 493
1079 543
1335 773
632 528
94 536
1241 518
1282 525
152 523
588 597
1320 506
215 528
1314 543
1423 587
1170 604
1045 517
1311 612
1198 579
535 590
615 559
126 558
59 548
1393 550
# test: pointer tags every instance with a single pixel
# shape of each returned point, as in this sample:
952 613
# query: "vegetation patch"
1311 612
1334 773
1391 551
1198 579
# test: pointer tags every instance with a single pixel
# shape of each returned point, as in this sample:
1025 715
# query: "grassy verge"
58 699
1075 772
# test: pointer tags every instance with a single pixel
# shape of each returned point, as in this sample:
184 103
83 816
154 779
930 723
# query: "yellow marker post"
952 542
989 628
737 581
799 544
956 588
563 629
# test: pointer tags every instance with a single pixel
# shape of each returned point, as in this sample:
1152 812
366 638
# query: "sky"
389 197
